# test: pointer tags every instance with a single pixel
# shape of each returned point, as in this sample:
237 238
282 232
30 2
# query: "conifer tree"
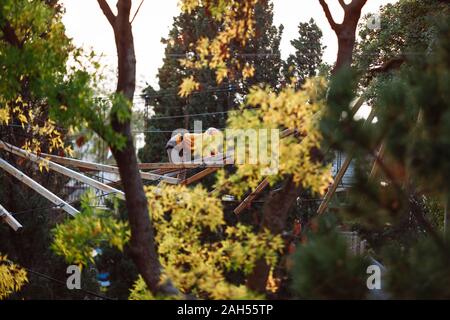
306 60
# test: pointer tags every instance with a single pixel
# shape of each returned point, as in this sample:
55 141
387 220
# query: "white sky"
88 27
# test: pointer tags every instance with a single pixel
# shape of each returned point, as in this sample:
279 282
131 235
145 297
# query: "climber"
181 146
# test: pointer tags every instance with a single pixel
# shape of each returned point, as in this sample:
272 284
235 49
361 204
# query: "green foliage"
33 55
412 112
47 80
44 83
407 29
139 291
290 108
401 205
324 267
121 108
92 228
195 246
413 117
418 272
12 277
197 249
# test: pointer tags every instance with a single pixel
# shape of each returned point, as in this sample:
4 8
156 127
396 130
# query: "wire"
163 131
101 178
65 284
229 88
191 115
58 206
137 11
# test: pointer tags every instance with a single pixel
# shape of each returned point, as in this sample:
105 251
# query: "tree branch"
327 12
390 65
342 3
107 11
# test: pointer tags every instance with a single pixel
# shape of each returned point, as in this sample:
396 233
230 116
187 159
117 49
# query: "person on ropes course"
181 147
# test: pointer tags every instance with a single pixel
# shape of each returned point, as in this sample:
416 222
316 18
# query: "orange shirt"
188 139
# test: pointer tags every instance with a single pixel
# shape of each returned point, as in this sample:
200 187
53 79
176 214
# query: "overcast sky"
88 27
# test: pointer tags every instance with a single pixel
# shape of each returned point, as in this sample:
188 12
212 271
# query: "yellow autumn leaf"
248 71
19 100
4 115
221 74
188 86
22 118
189 5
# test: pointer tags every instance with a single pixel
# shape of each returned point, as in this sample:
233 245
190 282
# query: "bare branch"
327 12
107 11
137 11
342 3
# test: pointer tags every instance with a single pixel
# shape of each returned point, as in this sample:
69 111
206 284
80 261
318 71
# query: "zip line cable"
47 277
201 114
57 206
174 117
44 276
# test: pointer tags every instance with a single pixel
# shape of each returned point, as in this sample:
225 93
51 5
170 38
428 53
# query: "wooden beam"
177 166
9 219
104 168
248 200
62 170
357 105
38 188
199 175
374 170
164 171
332 190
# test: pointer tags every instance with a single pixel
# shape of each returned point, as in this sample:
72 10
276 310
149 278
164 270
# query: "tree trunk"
142 243
275 214
345 31
346 43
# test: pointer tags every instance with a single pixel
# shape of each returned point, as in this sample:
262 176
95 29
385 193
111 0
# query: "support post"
62 170
9 219
331 191
38 188
105 168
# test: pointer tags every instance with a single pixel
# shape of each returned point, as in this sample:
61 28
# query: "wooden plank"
357 105
178 166
104 168
164 171
248 200
62 170
337 180
199 175
9 219
374 170
38 188
286 133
